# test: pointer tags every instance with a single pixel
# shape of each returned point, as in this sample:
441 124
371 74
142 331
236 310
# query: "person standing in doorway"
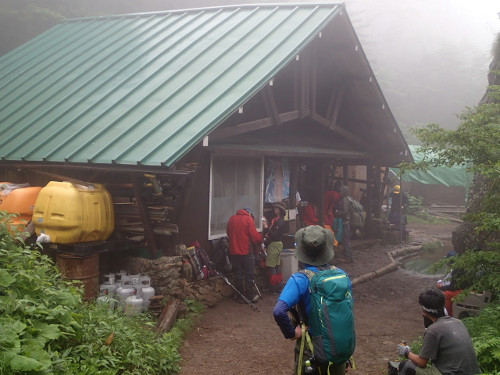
243 236
399 205
344 211
274 246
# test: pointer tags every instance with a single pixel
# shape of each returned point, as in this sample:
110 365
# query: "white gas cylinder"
134 305
147 290
109 278
125 290
107 288
105 299
135 281
118 277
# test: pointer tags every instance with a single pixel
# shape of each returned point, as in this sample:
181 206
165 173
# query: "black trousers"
244 272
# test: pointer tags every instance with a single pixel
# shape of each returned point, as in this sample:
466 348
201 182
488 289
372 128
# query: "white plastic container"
289 264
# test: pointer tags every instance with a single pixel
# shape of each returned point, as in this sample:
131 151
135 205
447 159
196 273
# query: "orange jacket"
241 232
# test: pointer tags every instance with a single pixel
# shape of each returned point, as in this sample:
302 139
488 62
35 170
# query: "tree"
474 144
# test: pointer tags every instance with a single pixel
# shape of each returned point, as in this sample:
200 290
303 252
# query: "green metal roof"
143 88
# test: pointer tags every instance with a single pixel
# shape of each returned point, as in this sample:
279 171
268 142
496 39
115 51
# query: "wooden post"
321 200
345 172
369 199
376 192
148 230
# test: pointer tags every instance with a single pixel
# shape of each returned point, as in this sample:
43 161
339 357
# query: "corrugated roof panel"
143 88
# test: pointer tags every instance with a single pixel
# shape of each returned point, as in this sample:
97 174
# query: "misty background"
430 57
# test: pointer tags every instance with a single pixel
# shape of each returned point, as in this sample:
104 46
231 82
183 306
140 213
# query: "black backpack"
220 255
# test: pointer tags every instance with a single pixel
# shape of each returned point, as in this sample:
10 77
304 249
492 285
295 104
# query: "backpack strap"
304 338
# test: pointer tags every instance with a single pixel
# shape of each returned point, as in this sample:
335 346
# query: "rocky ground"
231 338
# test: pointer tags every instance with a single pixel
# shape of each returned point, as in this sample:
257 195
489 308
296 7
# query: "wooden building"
188 115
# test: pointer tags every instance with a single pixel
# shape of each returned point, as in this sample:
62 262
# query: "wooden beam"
314 74
341 131
321 200
336 99
270 103
304 106
253 125
168 316
107 168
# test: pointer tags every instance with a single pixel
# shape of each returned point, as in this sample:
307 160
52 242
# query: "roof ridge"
215 7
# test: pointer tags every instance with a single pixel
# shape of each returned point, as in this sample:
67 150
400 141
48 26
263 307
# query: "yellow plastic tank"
70 213
19 201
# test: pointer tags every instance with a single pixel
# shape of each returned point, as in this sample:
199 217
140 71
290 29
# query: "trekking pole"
237 291
257 289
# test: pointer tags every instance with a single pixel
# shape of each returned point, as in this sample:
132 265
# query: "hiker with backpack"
345 211
319 298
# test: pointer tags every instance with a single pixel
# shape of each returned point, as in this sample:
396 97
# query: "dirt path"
232 339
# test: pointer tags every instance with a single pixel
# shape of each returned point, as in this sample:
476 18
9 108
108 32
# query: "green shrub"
36 308
45 328
485 333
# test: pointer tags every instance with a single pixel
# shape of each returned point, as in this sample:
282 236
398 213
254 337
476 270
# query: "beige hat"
314 245
281 206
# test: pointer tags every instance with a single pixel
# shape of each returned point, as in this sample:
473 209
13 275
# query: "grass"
428 219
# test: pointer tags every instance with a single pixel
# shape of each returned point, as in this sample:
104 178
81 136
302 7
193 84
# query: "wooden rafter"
341 131
270 103
304 104
314 74
254 125
336 99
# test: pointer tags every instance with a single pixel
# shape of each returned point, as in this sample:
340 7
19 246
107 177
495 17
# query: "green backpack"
358 213
331 318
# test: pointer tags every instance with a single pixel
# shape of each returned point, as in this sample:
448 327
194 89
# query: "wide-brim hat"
281 206
314 245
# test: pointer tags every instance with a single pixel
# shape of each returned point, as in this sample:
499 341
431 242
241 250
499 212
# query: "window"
235 183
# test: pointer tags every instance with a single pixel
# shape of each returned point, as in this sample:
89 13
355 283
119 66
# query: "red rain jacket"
241 231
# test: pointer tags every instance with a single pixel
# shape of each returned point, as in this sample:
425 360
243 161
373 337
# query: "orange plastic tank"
70 213
19 201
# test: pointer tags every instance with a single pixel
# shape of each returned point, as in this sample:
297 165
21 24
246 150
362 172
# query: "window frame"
257 211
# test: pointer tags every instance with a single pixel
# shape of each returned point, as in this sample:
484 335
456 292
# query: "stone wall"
173 277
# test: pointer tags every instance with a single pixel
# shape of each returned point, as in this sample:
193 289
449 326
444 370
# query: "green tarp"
453 176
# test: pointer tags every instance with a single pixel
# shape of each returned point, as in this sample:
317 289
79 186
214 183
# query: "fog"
430 57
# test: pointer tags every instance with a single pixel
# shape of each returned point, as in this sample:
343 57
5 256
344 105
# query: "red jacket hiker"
241 231
330 199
